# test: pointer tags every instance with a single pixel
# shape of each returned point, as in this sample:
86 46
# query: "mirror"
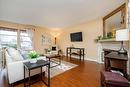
113 21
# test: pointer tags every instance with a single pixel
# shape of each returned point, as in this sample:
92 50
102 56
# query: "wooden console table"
119 59
80 52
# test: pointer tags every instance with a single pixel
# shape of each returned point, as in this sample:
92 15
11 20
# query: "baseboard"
90 59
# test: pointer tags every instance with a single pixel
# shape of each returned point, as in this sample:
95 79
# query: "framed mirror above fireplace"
114 20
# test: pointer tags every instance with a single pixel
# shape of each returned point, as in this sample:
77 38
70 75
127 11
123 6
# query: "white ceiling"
55 13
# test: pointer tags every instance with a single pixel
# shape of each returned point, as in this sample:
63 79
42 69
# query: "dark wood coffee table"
52 58
39 64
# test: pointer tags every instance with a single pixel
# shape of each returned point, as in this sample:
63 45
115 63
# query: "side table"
39 64
115 57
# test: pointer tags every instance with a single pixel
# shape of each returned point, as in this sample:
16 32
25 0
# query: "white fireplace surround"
108 45
113 46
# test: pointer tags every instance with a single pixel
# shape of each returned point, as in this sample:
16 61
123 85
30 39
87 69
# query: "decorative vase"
33 60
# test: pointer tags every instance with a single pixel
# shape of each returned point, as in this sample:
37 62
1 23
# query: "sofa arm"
15 71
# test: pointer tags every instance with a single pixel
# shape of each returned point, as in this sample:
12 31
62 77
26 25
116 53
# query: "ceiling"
55 13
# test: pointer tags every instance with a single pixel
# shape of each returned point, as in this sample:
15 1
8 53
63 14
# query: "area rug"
63 67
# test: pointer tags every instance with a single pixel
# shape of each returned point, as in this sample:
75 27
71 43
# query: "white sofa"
15 69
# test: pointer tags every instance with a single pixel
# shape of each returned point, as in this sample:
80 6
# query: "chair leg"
101 80
101 83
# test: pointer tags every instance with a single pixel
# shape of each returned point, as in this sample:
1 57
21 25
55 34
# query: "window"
8 37
25 40
15 38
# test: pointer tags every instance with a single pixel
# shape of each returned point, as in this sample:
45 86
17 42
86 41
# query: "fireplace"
105 48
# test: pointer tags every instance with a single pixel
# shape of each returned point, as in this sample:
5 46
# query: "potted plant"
98 38
32 55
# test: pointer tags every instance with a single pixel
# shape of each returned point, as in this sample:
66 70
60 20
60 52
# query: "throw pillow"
15 55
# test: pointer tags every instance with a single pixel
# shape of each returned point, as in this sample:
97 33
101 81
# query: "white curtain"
30 32
31 35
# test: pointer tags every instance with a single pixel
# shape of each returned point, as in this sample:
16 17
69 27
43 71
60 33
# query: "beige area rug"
64 66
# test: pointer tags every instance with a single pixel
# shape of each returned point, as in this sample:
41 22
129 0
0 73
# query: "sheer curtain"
26 39
31 35
30 32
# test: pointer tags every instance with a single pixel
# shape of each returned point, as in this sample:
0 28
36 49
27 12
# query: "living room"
73 33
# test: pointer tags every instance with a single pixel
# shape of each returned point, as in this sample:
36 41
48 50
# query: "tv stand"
78 52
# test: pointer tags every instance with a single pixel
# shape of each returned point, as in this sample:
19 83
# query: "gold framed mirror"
114 20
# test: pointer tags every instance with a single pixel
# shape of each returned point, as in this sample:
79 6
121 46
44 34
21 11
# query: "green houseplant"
33 55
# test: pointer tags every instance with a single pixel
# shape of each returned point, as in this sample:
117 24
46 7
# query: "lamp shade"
122 35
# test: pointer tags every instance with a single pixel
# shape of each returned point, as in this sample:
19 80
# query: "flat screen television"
76 37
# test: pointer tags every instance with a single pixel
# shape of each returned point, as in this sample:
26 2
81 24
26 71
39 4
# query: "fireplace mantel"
107 40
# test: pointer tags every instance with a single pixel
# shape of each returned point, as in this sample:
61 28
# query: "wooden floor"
86 74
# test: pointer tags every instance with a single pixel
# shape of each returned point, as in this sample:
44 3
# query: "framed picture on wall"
46 39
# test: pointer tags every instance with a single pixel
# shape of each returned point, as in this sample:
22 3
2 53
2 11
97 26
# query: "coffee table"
51 58
39 64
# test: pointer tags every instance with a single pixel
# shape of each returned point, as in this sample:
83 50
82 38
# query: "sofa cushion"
15 55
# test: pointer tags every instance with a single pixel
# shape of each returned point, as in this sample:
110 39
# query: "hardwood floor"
86 74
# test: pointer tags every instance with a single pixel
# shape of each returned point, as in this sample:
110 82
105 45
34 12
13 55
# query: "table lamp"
122 35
